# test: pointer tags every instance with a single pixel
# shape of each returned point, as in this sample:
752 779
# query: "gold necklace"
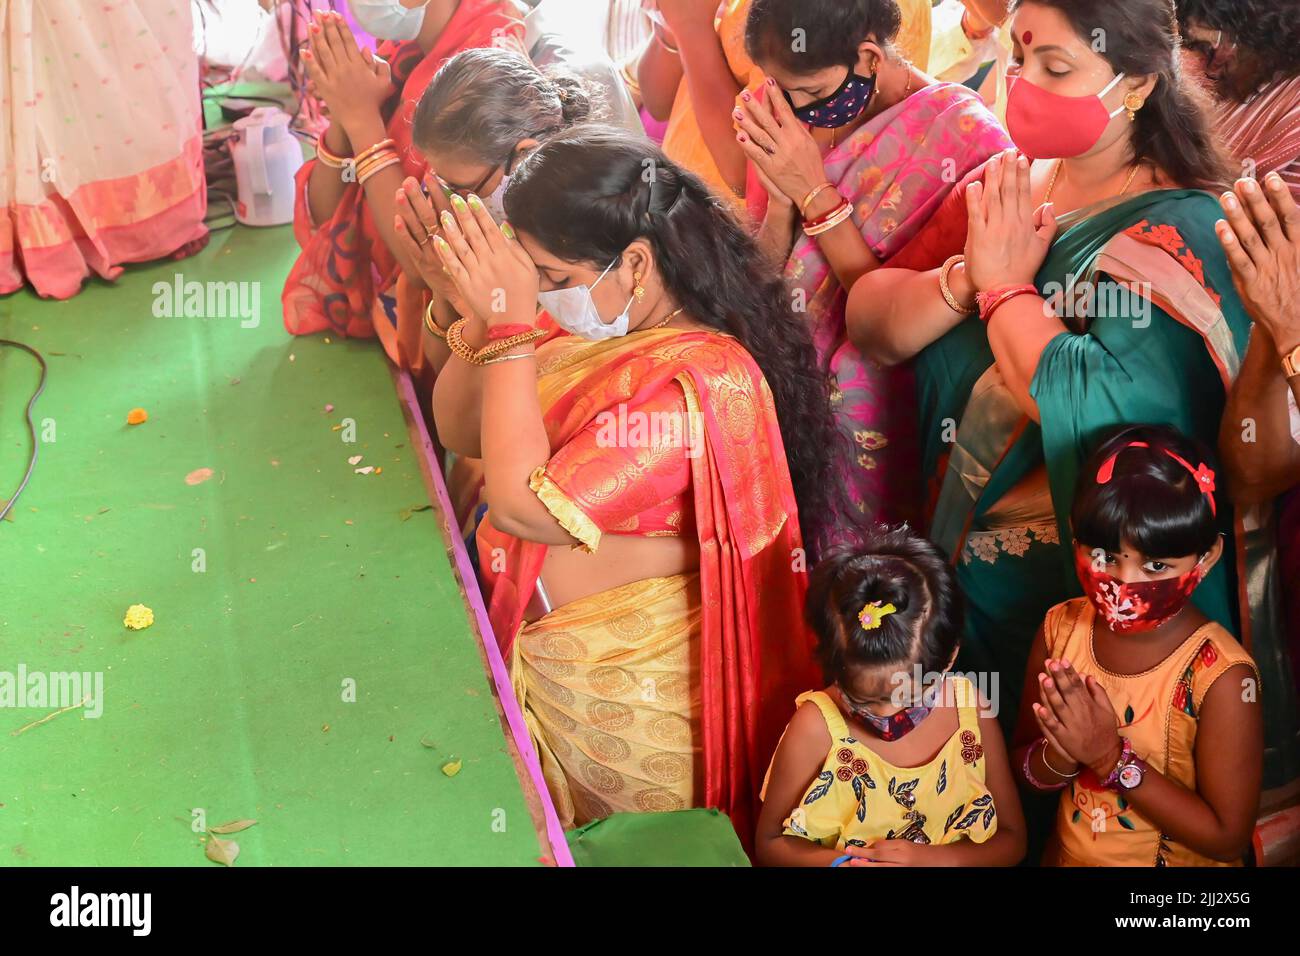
1051 184
660 325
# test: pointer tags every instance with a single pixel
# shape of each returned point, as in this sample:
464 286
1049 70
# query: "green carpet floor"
316 580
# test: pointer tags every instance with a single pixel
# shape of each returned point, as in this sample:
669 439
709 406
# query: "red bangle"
822 220
506 331
989 302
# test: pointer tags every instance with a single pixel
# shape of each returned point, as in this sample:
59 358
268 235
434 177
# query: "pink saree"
896 169
101 155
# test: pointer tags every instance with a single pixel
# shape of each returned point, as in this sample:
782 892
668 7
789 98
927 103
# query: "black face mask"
841 107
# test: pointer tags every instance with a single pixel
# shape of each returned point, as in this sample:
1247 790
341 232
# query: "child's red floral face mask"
1139 606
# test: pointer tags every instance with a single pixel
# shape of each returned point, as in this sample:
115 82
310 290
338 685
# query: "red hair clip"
1201 474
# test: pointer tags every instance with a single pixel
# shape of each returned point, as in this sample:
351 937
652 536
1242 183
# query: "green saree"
1161 344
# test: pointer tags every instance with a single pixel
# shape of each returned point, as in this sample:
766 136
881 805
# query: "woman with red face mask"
1142 712
1071 287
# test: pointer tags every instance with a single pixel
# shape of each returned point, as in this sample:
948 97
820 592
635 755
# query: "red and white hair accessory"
1201 474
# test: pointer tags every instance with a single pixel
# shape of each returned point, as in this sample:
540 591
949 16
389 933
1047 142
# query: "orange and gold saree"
676 689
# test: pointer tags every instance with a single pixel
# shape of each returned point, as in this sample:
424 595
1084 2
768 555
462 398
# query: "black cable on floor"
31 422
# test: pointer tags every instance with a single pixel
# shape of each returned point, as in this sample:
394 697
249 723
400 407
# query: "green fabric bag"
701 837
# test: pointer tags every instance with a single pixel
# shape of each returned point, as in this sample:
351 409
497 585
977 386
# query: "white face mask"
575 311
388 19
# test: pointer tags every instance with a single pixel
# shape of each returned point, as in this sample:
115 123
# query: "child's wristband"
841 860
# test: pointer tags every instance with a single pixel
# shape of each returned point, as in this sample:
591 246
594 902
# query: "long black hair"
1267 32
589 192
892 566
482 102
1150 500
1172 130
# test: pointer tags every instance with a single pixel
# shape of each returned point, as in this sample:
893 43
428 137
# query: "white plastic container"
267 155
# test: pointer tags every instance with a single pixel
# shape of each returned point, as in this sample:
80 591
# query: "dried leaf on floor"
221 851
234 826
406 513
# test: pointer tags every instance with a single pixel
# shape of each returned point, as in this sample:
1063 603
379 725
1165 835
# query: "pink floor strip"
500 676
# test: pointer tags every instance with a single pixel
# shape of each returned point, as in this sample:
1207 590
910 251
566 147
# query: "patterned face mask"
899 725
1140 606
841 107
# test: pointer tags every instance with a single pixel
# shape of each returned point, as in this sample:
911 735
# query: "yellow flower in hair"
873 615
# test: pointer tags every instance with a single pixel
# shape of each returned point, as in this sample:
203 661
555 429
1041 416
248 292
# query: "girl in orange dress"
1142 711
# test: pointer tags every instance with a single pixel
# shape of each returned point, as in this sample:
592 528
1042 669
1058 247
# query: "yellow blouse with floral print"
1158 711
858 797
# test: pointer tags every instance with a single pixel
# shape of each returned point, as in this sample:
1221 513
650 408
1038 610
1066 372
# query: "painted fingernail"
743 138
771 82
441 243
507 230
475 201
738 115
745 96
448 219
457 202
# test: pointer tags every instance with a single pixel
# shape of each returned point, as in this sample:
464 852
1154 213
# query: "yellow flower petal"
138 617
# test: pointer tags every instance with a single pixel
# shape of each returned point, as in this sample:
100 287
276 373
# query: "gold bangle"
501 346
459 347
812 196
373 158
431 323
632 82
1048 764
375 164
947 290
510 358
369 151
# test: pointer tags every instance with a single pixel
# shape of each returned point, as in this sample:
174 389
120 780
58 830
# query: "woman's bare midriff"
571 575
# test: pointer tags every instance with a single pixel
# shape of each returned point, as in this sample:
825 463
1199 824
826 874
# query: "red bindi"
1027 38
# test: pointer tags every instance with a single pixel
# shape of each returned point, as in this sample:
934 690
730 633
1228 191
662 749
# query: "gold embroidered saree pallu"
609 686
753 652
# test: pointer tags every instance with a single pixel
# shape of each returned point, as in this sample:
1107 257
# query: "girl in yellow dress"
897 762
1142 711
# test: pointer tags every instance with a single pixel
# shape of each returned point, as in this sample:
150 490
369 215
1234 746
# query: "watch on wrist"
1291 363
1131 774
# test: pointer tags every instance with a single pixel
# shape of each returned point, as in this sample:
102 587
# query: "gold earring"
639 290
1133 102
